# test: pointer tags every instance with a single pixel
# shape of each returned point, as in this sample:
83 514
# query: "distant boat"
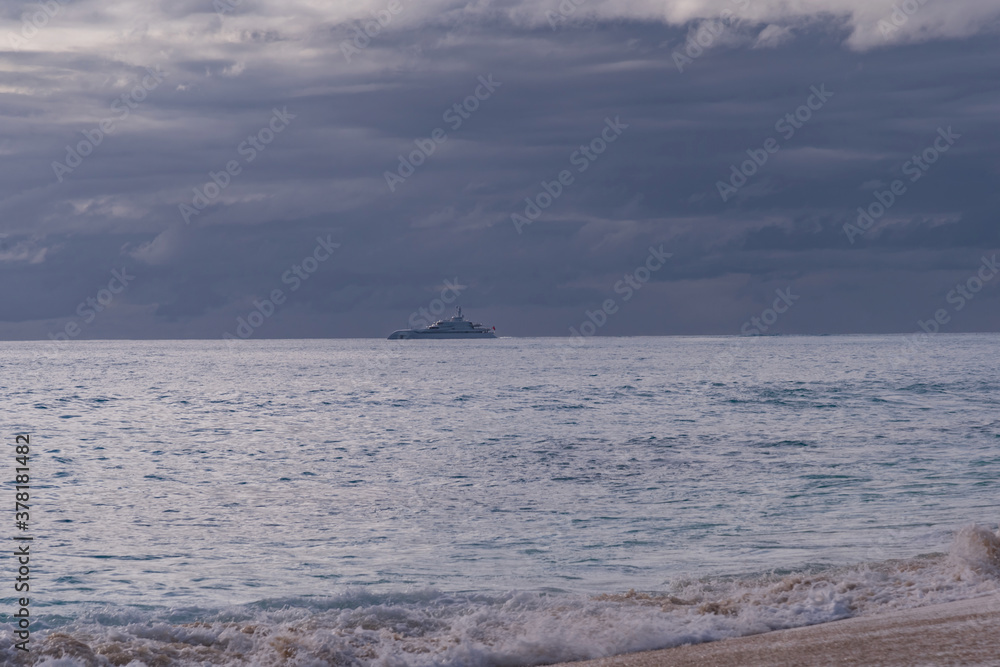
454 327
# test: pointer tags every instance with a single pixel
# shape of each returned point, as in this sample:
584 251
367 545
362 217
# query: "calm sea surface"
491 502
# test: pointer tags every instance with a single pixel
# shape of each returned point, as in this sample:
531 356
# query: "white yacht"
454 327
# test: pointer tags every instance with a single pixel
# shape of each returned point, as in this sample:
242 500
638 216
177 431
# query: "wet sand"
966 632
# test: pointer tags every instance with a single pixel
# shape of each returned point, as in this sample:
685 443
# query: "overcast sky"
739 137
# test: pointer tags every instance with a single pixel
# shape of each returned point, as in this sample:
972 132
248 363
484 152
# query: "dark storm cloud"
529 97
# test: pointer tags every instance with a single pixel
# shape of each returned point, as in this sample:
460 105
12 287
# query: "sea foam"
430 627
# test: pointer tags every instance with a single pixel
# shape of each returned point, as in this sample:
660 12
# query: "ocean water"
506 502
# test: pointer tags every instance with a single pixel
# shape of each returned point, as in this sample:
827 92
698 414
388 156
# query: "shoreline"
960 632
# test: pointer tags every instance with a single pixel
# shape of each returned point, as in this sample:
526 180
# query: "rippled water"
378 477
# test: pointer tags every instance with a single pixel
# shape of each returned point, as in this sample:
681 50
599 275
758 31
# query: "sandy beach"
966 632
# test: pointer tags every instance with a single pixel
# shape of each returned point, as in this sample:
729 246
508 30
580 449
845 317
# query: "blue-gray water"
452 502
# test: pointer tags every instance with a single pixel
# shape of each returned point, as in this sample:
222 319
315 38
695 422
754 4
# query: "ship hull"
416 334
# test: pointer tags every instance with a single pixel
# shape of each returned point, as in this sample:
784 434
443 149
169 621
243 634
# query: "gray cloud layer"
185 92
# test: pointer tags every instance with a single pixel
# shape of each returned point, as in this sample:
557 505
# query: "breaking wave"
431 627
